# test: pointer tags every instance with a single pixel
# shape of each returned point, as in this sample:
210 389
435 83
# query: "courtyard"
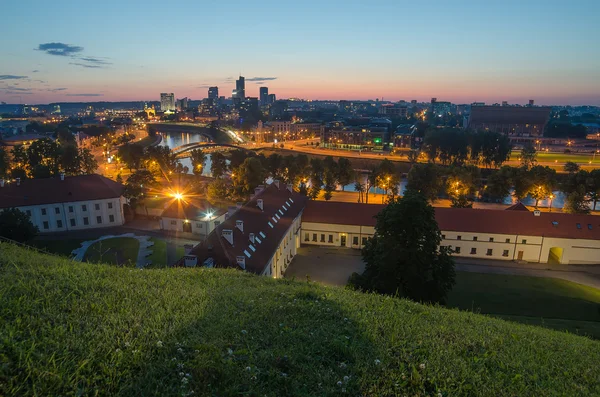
330 266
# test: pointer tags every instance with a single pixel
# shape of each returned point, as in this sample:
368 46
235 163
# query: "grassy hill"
81 329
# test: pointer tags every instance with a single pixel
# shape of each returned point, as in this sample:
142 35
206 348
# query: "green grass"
118 250
549 302
159 254
82 329
58 247
179 251
562 157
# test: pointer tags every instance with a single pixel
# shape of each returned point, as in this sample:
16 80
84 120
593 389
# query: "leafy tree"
137 187
359 187
577 202
88 162
65 137
4 165
198 158
345 172
404 257
219 165
571 167
131 155
499 184
275 165
461 184
413 157
237 157
386 177
427 179
164 159
317 170
248 176
219 189
594 187
330 172
19 156
560 129
119 178
291 172
542 181
69 160
16 225
528 156
44 152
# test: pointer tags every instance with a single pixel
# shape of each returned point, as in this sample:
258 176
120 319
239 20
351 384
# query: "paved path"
144 249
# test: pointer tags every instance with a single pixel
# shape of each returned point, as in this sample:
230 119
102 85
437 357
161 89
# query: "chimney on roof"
62 176
290 187
241 261
240 225
18 181
260 204
537 213
276 182
251 238
228 235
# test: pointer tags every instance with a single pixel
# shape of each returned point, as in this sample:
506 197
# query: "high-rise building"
182 104
272 99
264 96
240 88
213 92
167 102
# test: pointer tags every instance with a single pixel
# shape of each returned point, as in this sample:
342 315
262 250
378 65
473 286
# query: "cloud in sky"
35 71
86 65
11 77
59 49
56 89
19 89
95 60
85 95
261 79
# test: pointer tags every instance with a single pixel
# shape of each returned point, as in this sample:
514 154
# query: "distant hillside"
80 329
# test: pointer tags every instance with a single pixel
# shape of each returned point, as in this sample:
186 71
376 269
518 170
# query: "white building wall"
287 249
199 227
485 246
78 215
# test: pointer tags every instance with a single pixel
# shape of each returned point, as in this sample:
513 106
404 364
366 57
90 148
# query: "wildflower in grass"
346 378
118 351
339 383
174 359
403 377
244 332
184 380
159 344
197 351
180 350
377 362
127 344
180 365
181 374
345 318
230 352
342 365
248 369
188 375
284 374
421 366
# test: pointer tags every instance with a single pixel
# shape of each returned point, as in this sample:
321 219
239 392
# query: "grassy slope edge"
77 329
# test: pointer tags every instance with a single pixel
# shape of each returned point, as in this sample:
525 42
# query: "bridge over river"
184 150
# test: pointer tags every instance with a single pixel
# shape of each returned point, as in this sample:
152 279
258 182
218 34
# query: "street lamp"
551 198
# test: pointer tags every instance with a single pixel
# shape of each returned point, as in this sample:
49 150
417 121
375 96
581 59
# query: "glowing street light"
551 198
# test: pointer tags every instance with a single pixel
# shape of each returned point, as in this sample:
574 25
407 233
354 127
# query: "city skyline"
463 52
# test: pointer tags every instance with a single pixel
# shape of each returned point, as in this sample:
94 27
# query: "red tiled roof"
53 190
182 210
337 213
517 207
255 221
466 220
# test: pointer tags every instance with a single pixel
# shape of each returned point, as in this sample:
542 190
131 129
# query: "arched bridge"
183 150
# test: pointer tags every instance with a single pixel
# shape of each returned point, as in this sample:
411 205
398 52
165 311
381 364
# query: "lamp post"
551 198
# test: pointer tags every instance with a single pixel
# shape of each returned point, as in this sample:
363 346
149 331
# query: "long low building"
62 203
514 234
262 236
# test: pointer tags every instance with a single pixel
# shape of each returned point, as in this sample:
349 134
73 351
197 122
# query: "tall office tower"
182 104
272 99
240 88
264 96
167 102
213 93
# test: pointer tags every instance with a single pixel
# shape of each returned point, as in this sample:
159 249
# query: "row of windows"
489 251
330 238
73 222
72 209
491 240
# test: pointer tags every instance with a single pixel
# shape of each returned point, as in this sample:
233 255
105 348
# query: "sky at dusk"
461 51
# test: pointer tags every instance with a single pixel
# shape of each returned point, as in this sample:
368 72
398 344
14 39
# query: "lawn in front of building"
158 258
548 302
116 251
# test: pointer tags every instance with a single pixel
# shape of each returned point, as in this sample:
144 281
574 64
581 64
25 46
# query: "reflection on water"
177 139
174 140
